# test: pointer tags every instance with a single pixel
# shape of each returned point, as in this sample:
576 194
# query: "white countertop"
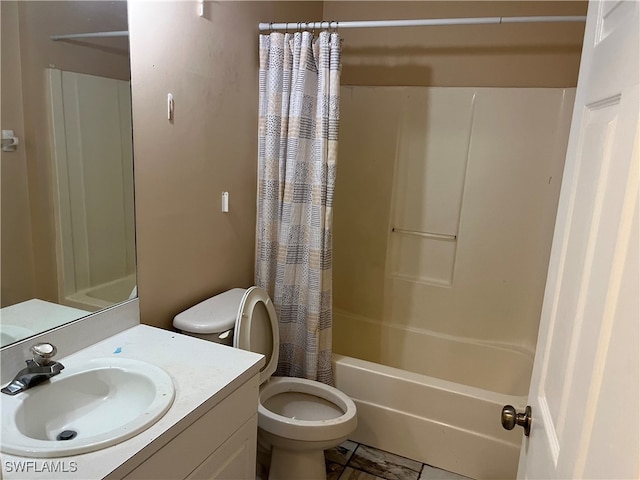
35 316
203 373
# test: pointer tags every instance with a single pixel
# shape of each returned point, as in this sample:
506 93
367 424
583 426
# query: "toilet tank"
212 319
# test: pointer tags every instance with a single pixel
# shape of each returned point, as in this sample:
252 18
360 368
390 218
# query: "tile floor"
354 461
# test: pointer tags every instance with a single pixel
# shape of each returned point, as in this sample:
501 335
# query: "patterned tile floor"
354 461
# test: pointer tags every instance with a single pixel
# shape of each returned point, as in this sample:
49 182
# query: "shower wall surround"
480 165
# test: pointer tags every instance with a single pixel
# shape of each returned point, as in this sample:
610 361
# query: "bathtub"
446 424
105 295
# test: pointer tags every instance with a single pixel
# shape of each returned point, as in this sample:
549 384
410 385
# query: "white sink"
103 401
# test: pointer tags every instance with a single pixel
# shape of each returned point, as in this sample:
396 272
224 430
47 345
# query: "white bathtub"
445 424
105 295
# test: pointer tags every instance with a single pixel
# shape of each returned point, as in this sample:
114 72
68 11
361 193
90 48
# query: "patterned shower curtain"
297 154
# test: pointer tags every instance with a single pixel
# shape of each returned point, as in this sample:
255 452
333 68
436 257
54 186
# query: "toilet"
297 418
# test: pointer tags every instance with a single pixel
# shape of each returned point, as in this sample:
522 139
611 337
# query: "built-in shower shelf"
423 257
422 280
88 35
437 236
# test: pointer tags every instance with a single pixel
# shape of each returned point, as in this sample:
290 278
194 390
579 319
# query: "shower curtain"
297 154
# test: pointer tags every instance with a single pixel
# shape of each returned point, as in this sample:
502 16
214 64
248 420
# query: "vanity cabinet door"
211 447
235 459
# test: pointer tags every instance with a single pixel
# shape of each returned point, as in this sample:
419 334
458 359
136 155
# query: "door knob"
510 418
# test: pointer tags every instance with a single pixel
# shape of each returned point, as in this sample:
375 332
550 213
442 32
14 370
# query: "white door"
585 385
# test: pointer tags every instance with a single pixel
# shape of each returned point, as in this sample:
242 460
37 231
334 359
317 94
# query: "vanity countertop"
36 315
203 373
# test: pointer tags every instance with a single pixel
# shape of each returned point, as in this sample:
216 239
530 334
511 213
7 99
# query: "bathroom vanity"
208 432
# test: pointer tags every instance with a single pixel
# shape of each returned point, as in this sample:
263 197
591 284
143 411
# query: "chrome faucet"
39 369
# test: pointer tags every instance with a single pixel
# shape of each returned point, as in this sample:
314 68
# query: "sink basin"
85 408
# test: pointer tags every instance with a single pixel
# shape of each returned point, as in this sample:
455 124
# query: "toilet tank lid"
214 315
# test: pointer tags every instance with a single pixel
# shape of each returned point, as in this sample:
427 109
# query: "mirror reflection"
68 238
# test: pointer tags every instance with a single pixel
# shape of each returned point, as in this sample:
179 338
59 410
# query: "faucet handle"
43 352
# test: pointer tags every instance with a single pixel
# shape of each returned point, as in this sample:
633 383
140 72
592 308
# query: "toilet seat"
256 329
306 430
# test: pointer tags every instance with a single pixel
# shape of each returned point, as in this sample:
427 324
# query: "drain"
67 435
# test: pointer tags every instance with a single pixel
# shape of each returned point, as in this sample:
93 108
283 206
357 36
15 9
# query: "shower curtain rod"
417 23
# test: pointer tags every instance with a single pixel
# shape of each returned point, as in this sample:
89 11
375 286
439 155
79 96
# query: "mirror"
68 238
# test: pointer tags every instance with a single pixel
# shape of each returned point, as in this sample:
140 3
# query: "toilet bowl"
297 418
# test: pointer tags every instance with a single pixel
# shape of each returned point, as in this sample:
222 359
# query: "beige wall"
36 22
17 255
187 249
516 55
